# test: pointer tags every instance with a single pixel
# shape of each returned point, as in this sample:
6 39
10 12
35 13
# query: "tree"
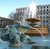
16 16
11 15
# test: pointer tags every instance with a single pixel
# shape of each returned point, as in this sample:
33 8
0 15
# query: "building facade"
5 21
43 12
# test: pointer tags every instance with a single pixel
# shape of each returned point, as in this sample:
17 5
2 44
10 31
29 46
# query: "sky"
8 6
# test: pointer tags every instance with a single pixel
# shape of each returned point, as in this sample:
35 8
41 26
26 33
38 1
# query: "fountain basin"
33 32
33 20
36 31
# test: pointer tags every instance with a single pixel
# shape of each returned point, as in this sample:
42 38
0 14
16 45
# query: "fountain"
32 20
13 33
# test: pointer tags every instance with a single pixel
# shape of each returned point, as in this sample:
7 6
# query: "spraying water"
32 10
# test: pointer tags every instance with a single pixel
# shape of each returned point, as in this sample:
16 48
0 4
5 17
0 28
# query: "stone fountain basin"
33 20
34 32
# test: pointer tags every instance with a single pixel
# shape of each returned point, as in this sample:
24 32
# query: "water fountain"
15 37
31 20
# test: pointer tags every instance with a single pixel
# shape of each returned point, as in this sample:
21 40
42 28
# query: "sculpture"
14 36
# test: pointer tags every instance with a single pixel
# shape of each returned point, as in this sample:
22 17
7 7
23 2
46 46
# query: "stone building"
5 21
43 12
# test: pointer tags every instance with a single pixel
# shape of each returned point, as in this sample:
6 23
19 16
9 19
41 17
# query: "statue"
14 36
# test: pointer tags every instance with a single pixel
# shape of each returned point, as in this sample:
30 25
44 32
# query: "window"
38 7
43 21
44 17
44 7
41 7
47 9
47 21
23 9
41 10
44 10
47 6
41 17
47 13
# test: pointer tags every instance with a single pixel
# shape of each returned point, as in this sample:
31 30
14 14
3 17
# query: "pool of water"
40 43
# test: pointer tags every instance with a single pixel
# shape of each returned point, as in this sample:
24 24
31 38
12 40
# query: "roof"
6 18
